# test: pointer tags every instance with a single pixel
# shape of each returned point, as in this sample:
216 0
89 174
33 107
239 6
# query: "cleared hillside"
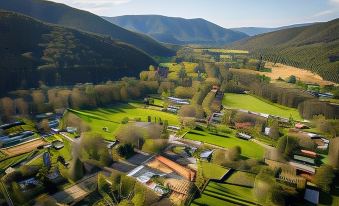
175 30
315 47
31 51
64 15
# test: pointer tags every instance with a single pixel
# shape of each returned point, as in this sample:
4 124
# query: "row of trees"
27 102
308 105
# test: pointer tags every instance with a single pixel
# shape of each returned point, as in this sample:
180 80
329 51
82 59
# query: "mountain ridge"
67 16
253 31
315 47
32 51
178 30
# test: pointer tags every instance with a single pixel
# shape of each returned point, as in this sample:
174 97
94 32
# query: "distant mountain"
253 31
178 30
32 51
315 47
61 14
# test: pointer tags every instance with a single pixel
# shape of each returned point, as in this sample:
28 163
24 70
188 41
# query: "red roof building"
183 171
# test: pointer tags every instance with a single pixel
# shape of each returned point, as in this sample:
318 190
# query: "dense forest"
64 15
33 52
314 47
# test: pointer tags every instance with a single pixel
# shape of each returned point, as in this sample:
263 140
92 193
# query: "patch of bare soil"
23 148
284 71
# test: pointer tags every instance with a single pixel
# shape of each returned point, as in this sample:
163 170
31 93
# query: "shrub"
125 120
234 153
125 150
324 177
154 145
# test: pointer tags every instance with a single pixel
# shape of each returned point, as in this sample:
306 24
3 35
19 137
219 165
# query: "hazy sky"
226 13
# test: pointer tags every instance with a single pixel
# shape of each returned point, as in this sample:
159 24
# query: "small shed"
304 159
301 126
244 136
206 155
71 130
57 144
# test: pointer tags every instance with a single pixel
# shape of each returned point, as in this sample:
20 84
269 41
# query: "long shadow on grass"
219 135
222 195
92 116
224 189
196 133
228 194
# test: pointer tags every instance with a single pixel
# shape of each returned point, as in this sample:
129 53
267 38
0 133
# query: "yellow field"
284 71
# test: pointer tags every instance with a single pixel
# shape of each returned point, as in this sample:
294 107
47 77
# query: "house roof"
300 126
303 167
243 135
244 124
183 171
304 159
206 154
312 196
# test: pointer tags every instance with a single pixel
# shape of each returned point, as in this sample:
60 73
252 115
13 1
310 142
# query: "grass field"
242 179
213 171
65 152
218 194
248 149
13 160
112 117
254 104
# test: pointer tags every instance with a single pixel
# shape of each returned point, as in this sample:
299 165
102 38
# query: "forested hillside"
67 16
315 47
252 31
31 51
178 30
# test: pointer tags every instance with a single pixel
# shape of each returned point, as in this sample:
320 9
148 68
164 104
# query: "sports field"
112 117
254 104
219 194
248 149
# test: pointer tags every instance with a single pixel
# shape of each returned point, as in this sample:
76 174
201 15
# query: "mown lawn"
112 117
241 178
248 149
13 160
218 194
65 152
213 171
251 103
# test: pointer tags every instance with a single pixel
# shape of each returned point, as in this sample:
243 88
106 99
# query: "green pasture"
212 171
111 117
241 178
254 104
248 149
221 194
65 152
13 160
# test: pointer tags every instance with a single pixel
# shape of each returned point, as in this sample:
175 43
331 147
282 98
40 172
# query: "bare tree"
44 125
7 106
22 106
39 100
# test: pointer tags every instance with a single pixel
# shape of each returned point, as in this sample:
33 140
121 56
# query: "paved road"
262 144
73 140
